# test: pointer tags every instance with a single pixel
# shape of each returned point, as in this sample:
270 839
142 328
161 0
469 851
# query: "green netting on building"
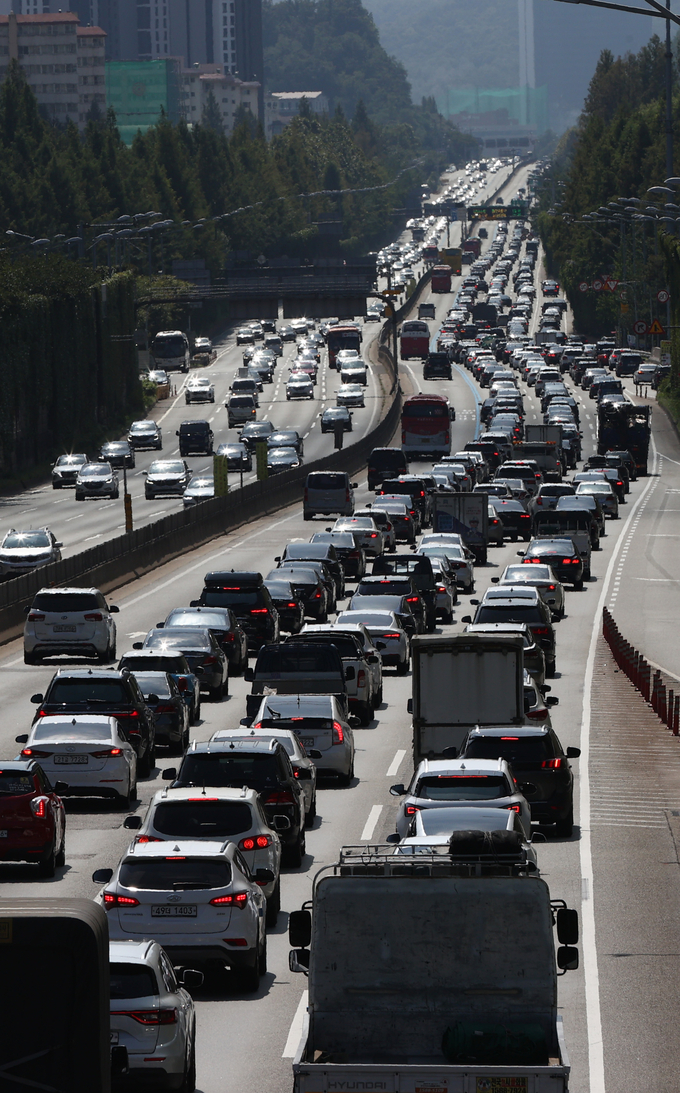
139 90
525 105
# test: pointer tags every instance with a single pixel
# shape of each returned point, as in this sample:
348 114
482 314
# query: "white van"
328 492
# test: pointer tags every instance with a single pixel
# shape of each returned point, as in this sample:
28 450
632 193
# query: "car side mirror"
475 603
190 977
380 645
247 721
169 774
409 705
249 675
567 958
198 670
23 739
398 790
350 674
132 823
280 823
527 787
277 558
120 1062
521 553
102 876
264 876
354 485
300 928
372 659
145 472
552 700
58 544
394 837
176 432
160 625
153 699
315 754
573 753
138 645
36 699
298 960
27 610
495 580
60 788
466 618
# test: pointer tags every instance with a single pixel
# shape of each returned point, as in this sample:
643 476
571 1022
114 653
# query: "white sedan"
299 386
199 389
386 633
88 752
350 394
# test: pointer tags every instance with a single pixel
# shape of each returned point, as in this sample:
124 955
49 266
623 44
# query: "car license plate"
308 741
182 910
4 834
64 629
114 1038
499 1084
65 759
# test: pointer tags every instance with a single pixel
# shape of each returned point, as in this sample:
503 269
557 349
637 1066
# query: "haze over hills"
443 43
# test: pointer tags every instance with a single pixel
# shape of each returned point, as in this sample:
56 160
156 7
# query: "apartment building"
280 107
62 61
229 92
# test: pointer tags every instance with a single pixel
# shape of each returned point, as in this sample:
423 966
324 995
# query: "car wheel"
248 978
123 799
378 699
144 765
189 1080
79 497
262 959
56 485
550 668
307 515
48 864
215 693
578 585
294 854
565 828
60 856
274 905
402 668
447 618
31 658
196 713
311 815
184 741
115 495
346 779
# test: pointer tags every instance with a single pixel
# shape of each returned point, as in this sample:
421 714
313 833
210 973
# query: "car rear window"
14 783
164 662
182 639
522 749
231 597
202 819
258 770
177 874
131 981
155 683
346 646
514 613
326 481
394 460
462 787
65 602
274 662
386 587
98 691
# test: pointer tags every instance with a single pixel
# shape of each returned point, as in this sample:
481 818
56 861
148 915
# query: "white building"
62 61
229 92
280 107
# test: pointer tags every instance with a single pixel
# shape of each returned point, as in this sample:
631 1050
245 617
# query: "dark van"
195 438
385 463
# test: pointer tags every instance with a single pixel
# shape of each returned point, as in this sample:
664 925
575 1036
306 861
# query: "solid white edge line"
395 764
295 1032
589 944
371 823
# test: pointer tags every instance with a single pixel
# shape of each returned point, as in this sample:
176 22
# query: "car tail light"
440 588
570 561
165 709
391 635
106 752
552 764
182 684
33 753
524 516
238 900
240 942
35 617
361 678
228 637
512 808
347 496
280 797
148 839
149 1017
373 535
95 617
126 713
411 810
259 611
542 631
412 599
338 733
538 715
39 807
112 900
254 842
210 660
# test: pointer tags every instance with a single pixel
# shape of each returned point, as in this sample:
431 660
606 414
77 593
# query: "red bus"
342 337
414 340
426 426
430 252
441 279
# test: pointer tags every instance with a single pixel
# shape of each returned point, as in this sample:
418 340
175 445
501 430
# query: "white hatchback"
74 621
87 751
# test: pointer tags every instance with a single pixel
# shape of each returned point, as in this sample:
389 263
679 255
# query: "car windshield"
257 771
65 602
294 708
104 692
43 732
70 460
515 749
131 981
174 874
384 587
166 467
462 787
95 470
326 481
180 639
594 488
26 539
527 573
215 620
204 819
278 661
143 427
231 597
116 446
201 484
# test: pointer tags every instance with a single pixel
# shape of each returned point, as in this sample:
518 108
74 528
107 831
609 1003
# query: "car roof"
509 592
90 673
205 747
461 766
205 848
524 732
81 720
191 793
26 765
248 733
63 591
131 952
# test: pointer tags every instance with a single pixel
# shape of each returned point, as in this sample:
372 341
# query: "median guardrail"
653 687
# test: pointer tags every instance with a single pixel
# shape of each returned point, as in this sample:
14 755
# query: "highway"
621 866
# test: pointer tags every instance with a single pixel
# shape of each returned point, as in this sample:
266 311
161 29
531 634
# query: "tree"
211 116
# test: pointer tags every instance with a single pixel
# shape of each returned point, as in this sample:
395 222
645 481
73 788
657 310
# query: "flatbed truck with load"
625 427
434 971
466 514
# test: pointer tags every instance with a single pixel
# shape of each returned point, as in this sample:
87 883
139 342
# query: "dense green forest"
333 46
616 151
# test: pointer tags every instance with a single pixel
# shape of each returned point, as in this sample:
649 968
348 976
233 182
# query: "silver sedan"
366 532
386 633
540 577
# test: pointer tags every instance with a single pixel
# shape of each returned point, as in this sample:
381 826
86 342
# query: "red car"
32 817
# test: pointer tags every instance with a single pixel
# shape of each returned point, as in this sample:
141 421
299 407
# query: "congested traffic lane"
83 524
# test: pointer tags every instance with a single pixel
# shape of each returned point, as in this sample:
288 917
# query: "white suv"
152 1014
76 621
223 814
198 899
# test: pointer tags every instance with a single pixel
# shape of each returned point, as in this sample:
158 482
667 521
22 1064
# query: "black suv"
416 489
246 595
420 569
101 691
195 438
540 765
385 463
317 552
262 765
437 366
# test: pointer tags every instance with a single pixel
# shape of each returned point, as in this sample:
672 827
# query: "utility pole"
669 96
